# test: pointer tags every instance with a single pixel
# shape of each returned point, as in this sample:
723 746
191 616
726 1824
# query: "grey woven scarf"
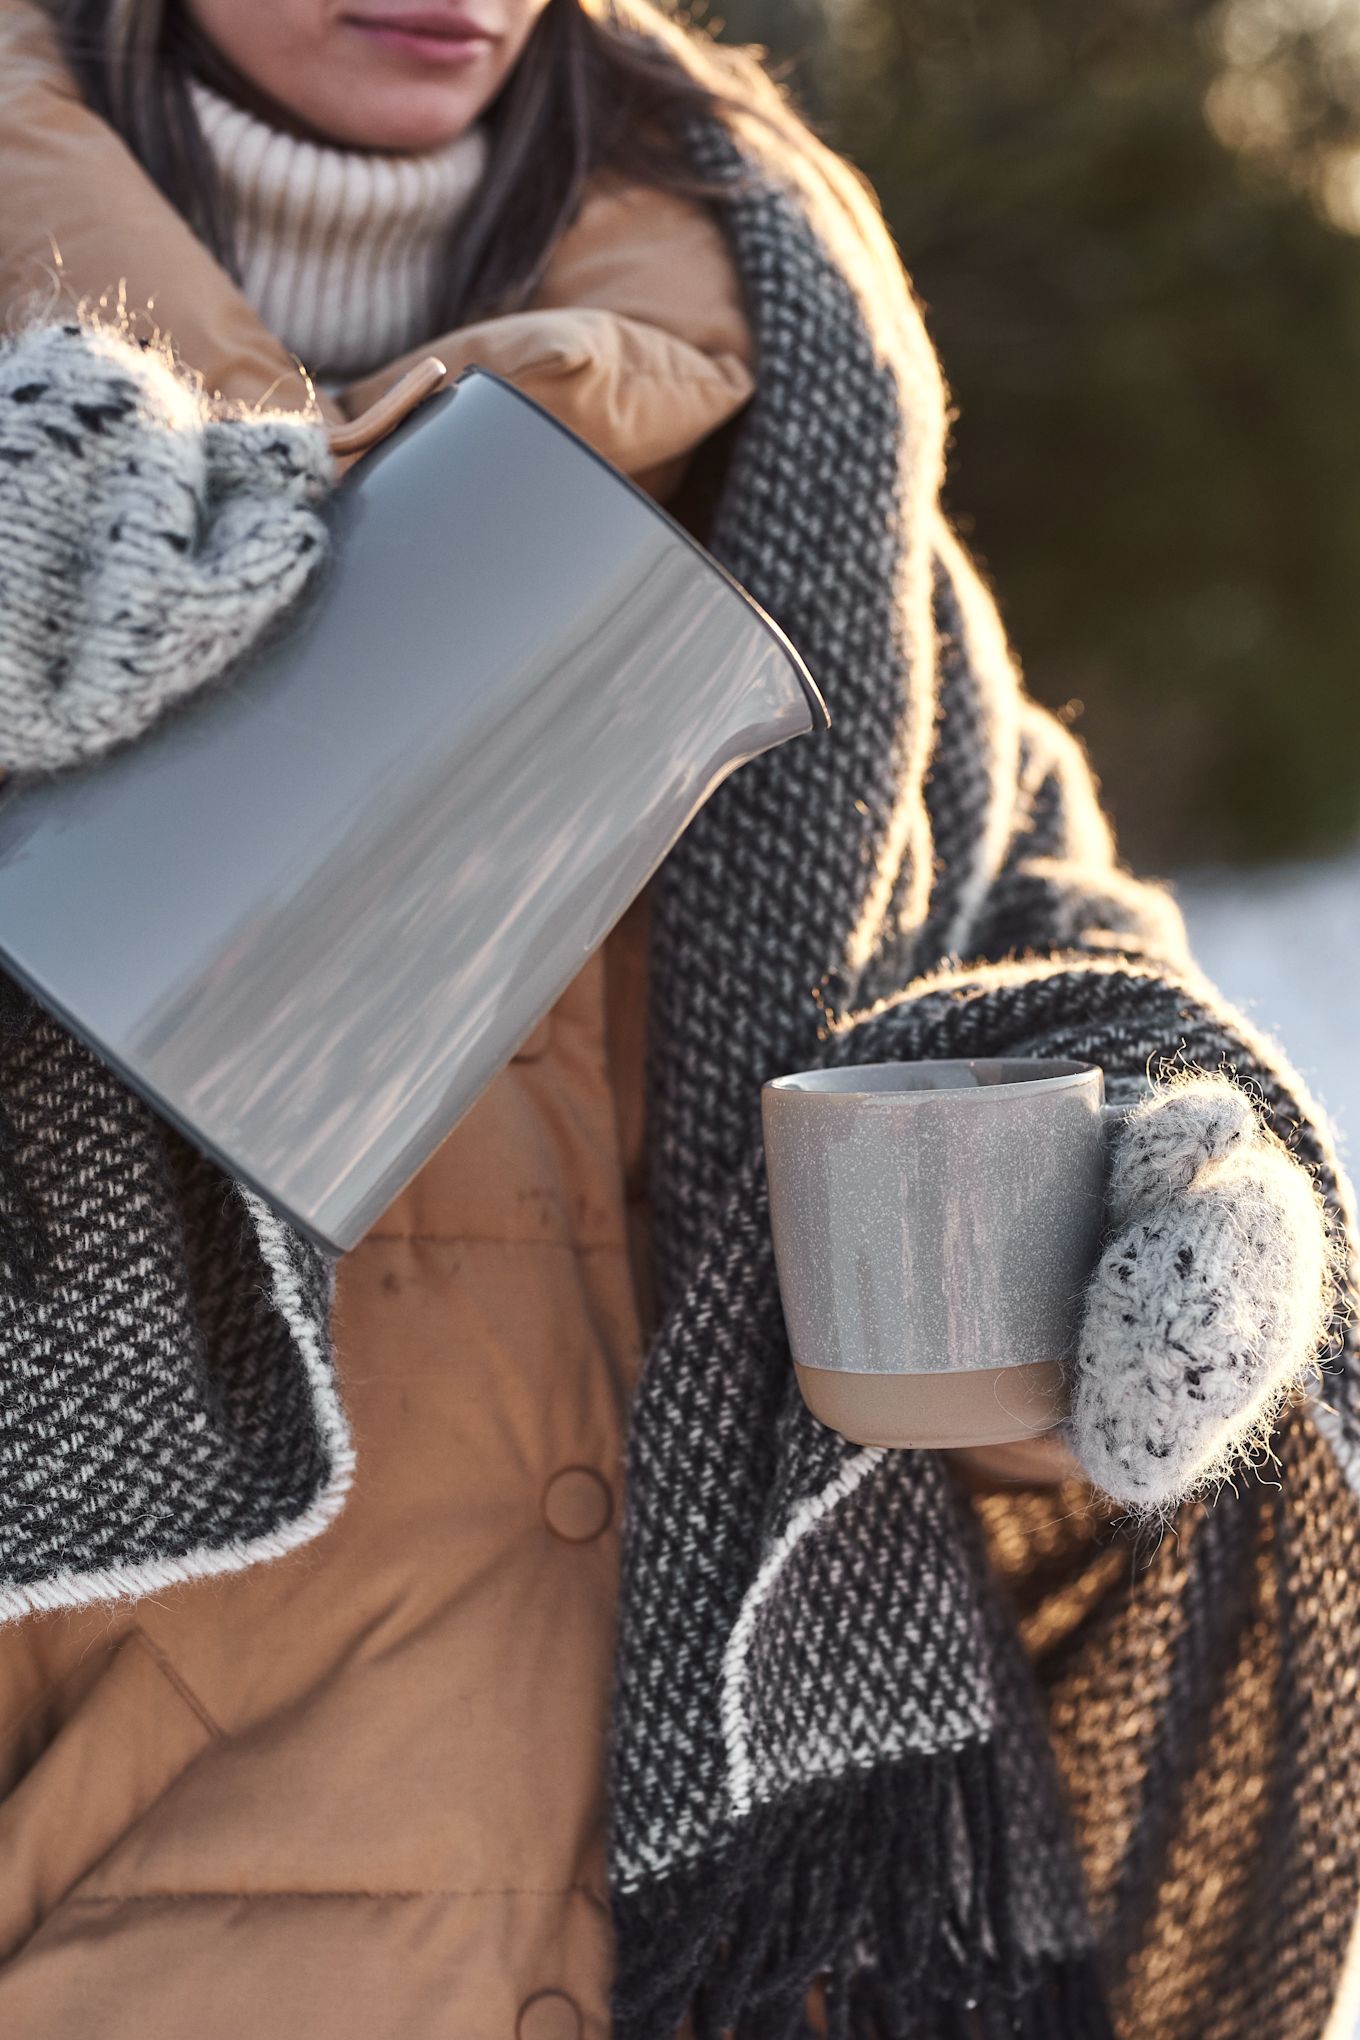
956 1770
830 1763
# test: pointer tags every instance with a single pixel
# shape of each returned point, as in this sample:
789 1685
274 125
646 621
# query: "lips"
431 35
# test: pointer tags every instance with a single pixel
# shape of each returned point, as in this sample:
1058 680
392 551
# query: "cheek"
262 39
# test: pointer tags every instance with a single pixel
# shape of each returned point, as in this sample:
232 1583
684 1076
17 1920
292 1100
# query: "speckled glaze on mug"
934 1228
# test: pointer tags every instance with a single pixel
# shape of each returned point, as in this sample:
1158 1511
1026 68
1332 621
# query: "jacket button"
548 2015
577 1505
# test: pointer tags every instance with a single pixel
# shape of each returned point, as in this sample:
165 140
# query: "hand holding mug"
960 1268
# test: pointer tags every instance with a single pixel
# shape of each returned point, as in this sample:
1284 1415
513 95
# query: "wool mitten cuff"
146 542
1210 1300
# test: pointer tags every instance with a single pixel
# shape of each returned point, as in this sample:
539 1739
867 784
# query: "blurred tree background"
1135 228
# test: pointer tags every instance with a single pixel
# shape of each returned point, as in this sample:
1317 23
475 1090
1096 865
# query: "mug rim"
829 1085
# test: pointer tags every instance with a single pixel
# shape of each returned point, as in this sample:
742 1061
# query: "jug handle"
357 435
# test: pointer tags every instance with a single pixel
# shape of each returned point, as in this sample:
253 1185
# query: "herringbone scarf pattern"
830 1759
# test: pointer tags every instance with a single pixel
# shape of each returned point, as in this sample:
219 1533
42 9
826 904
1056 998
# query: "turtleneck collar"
340 251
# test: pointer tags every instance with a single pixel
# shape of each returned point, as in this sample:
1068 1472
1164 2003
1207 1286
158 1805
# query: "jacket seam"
692 376
186 1692
12 1729
696 378
589 1891
702 366
465 1239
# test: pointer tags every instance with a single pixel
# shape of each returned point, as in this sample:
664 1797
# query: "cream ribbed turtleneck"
340 251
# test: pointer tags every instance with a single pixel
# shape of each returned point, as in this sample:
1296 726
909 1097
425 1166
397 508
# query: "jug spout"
389 846
791 683
772 697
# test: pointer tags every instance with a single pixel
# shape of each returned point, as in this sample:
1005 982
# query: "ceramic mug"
935 1225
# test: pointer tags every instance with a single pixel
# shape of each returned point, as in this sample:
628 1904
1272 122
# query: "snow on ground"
1284 945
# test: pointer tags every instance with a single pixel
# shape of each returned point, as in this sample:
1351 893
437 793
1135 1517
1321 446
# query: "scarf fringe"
890 1889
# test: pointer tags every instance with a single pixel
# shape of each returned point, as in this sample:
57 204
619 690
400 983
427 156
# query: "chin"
405 122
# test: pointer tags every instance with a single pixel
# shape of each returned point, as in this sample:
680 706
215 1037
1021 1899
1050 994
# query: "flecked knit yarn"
144 543
1210 1301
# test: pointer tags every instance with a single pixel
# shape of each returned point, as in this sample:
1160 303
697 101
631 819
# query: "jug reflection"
313 914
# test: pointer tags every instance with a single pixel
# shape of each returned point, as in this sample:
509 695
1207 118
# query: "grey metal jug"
313 913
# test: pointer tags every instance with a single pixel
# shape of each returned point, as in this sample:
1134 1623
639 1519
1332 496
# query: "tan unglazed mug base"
974 1406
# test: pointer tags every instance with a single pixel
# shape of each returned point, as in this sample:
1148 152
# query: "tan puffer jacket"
358 1794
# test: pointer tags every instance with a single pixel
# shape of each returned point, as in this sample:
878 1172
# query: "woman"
362 1791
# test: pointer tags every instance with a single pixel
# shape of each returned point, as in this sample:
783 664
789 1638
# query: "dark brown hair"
601 85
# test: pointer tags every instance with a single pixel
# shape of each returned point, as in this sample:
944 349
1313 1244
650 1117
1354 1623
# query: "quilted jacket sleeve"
636 337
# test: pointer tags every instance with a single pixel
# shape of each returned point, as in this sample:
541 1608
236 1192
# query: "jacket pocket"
87 1761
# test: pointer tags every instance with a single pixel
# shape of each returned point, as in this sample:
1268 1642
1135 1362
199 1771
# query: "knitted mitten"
1210 1300
145 543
